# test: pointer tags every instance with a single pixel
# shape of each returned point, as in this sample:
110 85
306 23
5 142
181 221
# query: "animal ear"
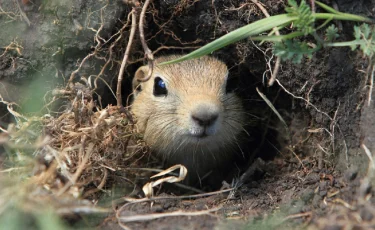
140 74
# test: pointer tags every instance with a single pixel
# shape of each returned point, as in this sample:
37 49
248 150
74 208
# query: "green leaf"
293 6
365 38
305 21
366 30
331 33
293 50
357 33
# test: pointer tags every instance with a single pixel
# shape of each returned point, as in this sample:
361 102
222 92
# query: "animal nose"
205 119
205 116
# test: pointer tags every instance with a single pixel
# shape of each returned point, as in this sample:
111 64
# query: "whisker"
243 129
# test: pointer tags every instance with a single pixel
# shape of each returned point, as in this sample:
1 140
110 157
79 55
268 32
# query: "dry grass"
69 160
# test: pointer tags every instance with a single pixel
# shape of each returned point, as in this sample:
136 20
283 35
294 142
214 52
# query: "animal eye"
160 89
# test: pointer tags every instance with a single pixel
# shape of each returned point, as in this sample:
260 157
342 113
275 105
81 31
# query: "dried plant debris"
148 188
68 161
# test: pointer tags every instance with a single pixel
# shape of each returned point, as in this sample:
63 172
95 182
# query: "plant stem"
324 24
327 8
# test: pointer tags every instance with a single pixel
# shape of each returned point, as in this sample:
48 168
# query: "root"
126 56
148 52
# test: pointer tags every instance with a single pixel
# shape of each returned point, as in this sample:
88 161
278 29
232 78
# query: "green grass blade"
350 17
343 17
254 28
327 8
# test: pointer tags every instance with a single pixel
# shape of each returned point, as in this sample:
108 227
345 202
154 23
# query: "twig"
126 56
133 201
153 216
151 199
148 52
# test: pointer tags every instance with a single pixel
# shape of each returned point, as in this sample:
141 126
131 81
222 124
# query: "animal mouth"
201 133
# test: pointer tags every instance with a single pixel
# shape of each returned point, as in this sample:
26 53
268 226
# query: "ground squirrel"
187 115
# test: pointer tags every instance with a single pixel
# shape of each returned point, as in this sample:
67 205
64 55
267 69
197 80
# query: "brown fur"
165 120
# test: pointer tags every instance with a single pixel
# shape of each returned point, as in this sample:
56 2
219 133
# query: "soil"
316 179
